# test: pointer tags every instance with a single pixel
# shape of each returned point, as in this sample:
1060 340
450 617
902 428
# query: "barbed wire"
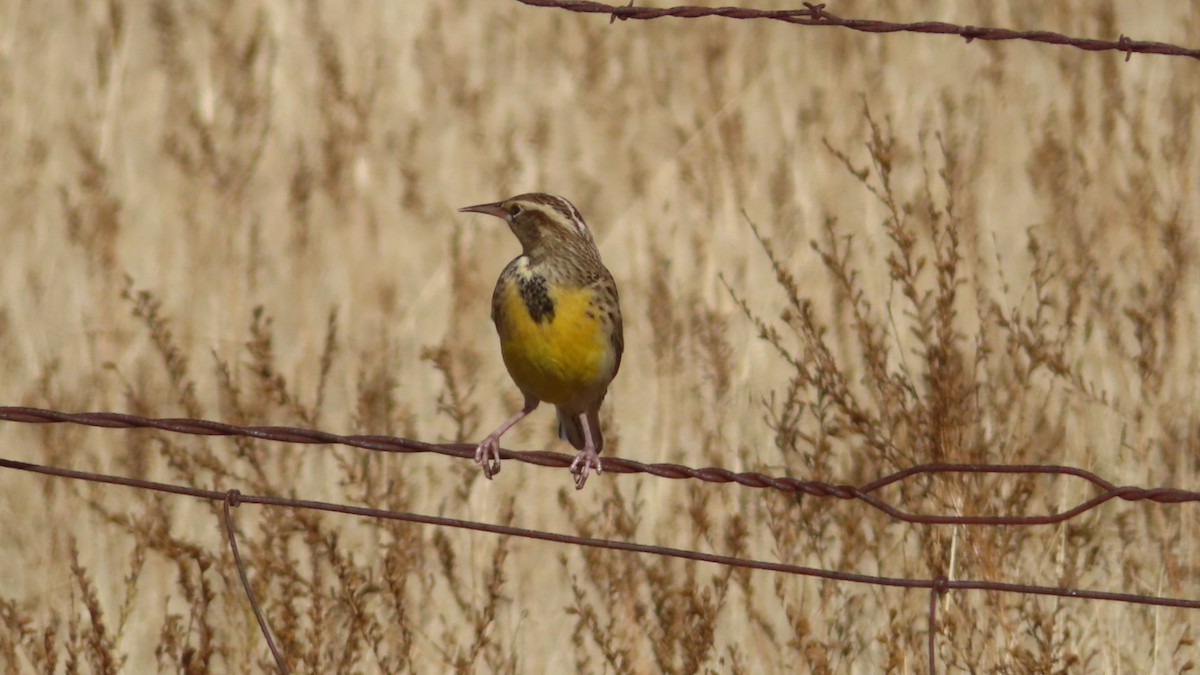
939 585
865 493
936 585
816 15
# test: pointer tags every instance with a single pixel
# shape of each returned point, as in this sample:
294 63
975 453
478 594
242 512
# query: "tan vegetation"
839 254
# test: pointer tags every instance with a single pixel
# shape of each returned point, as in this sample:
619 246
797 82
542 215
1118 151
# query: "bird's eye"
515 210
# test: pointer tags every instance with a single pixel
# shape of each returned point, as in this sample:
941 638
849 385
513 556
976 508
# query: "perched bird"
556 311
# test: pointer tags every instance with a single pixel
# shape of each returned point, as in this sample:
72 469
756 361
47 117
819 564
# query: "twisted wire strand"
866 493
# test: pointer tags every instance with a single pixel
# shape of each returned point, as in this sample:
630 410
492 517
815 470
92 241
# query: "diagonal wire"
934 584
816 15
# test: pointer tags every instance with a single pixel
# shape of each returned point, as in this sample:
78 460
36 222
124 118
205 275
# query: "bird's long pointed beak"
493 209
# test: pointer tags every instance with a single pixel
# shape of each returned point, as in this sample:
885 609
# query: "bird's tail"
570 430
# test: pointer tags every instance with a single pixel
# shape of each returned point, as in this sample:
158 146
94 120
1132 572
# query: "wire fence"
817 15
814 15
865 493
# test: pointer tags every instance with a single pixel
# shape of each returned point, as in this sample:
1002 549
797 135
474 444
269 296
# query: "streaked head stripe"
564 208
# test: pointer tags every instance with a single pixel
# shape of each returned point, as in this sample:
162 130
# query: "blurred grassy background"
246 211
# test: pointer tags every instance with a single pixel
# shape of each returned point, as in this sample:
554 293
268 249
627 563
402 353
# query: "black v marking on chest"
536 298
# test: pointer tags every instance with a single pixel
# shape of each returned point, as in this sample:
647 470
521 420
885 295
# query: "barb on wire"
752 479
817 15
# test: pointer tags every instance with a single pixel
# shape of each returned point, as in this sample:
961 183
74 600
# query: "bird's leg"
587 458
487 454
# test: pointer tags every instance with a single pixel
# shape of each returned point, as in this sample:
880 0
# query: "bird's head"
542 222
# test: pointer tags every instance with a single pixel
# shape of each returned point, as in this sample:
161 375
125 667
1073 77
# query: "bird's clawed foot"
585 461
487 455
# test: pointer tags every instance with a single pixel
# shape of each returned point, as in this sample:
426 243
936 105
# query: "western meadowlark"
556 311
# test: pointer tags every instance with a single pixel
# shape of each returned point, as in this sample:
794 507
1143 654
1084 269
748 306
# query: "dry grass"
245 211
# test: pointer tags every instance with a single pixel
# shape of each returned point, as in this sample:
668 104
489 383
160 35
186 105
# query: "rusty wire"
865 493
816 15
936 586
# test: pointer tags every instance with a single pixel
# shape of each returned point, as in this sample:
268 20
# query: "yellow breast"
566 360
